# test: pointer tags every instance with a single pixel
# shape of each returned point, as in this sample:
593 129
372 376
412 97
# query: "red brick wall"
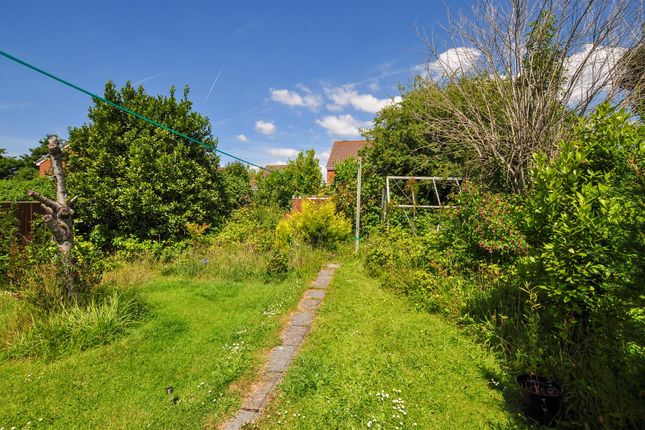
45 168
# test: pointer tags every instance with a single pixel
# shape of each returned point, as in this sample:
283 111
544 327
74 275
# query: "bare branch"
532 67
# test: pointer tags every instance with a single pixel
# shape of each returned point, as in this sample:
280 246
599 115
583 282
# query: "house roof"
41 160
342 150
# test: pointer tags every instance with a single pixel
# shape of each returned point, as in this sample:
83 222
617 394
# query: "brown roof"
342 150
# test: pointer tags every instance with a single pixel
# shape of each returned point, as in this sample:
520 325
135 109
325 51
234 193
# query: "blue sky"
274 77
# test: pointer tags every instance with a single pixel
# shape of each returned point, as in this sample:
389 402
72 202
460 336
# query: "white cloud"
265 127
459 60
242 138
342 125
292 98
283 152
590 70
348 96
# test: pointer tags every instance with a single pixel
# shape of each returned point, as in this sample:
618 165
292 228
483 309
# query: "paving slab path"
281 356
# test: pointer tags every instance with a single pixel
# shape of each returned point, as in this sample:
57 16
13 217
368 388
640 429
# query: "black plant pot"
541 397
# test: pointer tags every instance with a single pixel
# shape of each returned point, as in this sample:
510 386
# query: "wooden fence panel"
25 212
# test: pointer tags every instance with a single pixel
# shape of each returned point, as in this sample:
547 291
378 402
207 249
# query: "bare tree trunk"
58 216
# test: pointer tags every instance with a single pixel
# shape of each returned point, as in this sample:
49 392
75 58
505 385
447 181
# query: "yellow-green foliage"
318 225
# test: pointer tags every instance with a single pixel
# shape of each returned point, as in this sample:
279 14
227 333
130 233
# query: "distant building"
340 151
44 163
44 166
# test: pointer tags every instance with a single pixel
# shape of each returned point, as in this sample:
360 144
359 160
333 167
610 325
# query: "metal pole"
387 201
358 206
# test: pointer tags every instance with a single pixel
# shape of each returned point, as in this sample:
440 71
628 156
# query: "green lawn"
372 361
199 337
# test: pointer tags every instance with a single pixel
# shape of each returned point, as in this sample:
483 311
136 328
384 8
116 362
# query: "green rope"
126 110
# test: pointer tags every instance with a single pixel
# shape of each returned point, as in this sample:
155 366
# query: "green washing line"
124 109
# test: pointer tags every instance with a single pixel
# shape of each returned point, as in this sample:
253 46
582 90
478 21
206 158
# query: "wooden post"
58 214
357 236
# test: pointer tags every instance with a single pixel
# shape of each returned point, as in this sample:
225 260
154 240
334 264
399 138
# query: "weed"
76 328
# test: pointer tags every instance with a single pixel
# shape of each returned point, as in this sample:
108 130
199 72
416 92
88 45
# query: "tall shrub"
585 220
131 178
301 177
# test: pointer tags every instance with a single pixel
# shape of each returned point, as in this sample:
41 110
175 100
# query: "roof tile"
343 149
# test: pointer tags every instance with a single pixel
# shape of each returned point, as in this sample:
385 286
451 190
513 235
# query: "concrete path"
280 357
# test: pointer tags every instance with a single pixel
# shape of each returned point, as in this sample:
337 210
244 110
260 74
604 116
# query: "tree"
402 143
343 187
59 216
301 177
8 165
24 168
132 178
536 65
306 177
237 180
632 78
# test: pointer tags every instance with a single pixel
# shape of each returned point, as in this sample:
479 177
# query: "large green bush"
483 227
343 187
237 182
585 220
131 178
553 280
252 225
586 214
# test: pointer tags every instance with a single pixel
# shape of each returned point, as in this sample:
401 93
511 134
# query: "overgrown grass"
372 361
77 328
205 329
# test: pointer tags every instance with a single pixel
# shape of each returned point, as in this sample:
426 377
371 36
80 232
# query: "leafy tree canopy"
301 177
131 178
404 143
237 179
343 186
8 165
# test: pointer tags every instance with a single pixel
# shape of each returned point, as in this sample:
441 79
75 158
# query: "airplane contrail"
214 82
